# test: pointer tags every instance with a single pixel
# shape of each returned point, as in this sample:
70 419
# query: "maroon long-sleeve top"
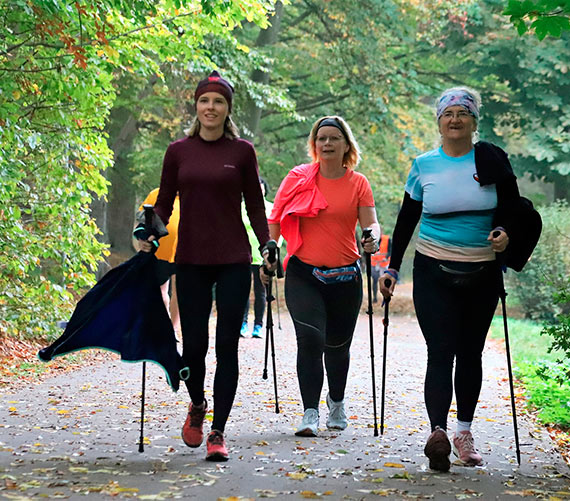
211 177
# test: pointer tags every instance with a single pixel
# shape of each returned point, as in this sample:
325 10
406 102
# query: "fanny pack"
466 278
336 275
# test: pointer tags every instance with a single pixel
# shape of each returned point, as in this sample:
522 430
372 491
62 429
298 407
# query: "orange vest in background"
381 257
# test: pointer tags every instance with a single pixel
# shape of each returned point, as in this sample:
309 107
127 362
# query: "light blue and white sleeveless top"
457 212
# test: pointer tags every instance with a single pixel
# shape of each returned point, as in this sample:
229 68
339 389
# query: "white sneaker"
336 419
310 424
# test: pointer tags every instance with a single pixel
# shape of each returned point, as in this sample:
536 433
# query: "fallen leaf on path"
297 475
236 498
78 469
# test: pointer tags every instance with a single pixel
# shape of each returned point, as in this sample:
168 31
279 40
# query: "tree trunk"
122 194
266 37
561 188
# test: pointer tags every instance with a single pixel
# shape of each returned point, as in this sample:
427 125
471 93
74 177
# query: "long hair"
230 128
351 157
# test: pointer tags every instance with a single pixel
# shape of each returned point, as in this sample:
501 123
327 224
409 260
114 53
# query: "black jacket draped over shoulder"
493 167
516 214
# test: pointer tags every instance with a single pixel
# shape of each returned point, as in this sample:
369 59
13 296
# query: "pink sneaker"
192 433
464 449
216 447
437 449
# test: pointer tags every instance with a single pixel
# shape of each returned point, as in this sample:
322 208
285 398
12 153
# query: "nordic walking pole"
366 233
277 303
386 322
148 213
141 438
272 258
503 296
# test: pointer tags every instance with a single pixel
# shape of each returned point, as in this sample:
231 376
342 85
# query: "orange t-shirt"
329 238
167 248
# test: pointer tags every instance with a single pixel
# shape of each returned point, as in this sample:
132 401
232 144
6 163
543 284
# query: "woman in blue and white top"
457 193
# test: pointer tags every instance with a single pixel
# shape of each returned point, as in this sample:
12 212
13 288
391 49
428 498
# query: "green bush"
538 366
558 330
546 394
549 265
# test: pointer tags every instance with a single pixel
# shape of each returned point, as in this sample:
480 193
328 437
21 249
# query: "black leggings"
194 286
324 317
259 293
455 303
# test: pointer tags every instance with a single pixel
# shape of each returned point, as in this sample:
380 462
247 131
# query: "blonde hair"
351 157
230 128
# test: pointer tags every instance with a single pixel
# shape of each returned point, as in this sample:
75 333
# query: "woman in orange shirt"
316 210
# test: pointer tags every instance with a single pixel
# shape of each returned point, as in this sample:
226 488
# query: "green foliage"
559 330
548 396
527 345
60 64
535 365
544 17
524 86
545 273
366 64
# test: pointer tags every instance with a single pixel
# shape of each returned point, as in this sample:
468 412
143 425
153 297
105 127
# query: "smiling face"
330 144
212 110
456 123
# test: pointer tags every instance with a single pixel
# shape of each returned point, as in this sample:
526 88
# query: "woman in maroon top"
212 169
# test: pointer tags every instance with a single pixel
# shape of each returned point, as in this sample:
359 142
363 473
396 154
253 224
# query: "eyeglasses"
324 139
461 115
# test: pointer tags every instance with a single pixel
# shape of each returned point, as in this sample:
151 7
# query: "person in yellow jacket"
165 255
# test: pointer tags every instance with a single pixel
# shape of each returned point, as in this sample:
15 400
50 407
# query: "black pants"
324 317
259 297
194 287
455 303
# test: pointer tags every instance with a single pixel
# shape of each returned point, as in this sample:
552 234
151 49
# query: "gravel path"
77 434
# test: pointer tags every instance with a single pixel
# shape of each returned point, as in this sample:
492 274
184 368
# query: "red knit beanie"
215 83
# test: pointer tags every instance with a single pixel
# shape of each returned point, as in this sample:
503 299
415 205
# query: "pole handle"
148 214
366 233
271 247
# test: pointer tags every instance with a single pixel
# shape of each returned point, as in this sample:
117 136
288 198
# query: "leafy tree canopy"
59 65
543 17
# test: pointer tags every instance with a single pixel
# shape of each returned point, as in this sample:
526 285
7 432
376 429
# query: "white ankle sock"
463 426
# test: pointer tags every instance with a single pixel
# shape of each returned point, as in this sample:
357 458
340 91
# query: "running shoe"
192 432
256 331
437 449
336 419
310 424
243 330
464 449
216 447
